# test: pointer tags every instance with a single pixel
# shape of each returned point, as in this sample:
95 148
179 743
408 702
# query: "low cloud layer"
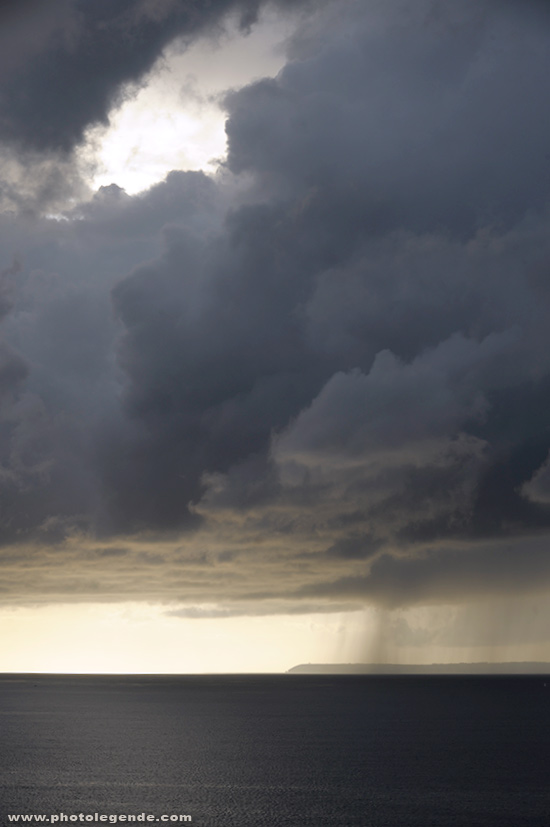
316 379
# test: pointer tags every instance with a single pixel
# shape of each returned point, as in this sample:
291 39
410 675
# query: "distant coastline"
514 668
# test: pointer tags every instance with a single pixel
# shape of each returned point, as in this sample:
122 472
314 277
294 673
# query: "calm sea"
294 750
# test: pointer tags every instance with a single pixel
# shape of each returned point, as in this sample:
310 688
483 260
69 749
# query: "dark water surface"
295 750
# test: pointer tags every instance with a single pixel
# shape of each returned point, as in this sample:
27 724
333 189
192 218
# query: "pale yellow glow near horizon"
141 638
175 122
95 638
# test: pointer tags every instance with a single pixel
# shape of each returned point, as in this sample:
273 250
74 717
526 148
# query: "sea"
275 750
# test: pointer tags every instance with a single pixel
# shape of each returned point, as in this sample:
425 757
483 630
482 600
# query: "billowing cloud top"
317 378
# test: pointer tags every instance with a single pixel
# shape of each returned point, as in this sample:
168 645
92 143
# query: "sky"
274 341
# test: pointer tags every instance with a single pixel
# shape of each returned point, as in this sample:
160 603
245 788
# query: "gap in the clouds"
139 637
146 637
175 121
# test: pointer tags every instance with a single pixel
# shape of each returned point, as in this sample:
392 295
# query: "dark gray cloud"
399 108
323 373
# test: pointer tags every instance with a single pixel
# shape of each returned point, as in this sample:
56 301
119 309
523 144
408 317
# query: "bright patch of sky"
175 121
146 638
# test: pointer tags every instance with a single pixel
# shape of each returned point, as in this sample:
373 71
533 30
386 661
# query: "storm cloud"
319 376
